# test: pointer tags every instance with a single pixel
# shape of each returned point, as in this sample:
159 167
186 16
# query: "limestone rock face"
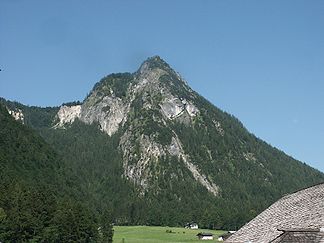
67 115
17 114
109 112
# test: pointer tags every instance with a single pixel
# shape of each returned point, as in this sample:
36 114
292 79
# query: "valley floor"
156 234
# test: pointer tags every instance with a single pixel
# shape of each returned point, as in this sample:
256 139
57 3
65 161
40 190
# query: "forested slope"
35 200
147 149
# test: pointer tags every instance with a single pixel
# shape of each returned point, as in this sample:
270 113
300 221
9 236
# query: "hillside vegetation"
148 150
35 198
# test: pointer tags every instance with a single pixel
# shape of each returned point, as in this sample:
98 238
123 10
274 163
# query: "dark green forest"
36 202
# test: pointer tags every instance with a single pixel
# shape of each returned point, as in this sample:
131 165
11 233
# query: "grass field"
152 234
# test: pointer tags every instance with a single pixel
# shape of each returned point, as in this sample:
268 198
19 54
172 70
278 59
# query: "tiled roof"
301 210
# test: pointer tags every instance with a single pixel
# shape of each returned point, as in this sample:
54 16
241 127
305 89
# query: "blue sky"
262 61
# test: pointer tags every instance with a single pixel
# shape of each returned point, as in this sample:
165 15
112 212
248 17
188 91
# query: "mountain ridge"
170 147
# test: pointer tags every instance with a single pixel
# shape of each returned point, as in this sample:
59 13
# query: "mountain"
153 151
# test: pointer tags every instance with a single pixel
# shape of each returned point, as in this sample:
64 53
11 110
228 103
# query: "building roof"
301 210
205 234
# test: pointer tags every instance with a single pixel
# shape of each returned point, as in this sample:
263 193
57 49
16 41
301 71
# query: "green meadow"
152 234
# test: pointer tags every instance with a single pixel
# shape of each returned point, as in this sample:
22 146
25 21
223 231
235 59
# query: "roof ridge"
303 188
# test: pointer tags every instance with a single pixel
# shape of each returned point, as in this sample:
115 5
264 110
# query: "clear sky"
262 61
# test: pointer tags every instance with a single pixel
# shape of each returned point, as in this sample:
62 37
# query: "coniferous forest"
36 202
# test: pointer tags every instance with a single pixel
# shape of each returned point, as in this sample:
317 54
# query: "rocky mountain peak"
155 87
153 63
142 106
156 65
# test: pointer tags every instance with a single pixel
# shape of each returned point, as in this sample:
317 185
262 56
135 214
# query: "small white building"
205 236
191 226
194 226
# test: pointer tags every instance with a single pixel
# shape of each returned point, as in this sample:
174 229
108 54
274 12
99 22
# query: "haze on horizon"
261 61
